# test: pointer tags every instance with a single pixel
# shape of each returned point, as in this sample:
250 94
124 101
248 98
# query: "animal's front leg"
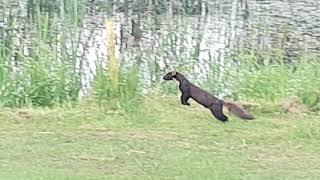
184 99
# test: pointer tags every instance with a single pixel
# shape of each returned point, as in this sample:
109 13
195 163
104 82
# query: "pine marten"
204 98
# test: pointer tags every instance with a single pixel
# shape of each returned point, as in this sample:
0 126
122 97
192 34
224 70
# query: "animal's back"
202 97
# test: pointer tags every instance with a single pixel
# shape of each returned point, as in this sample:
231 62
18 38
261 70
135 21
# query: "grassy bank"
122 133
165 141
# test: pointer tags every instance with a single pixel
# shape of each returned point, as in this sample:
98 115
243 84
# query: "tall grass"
113 68
116 87
43 69
125 96
267 76
49 71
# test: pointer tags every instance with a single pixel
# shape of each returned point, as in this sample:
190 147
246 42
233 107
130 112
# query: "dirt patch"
293 105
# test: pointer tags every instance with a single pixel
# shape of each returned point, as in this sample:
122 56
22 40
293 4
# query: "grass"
269 77
49 65
166 141
122 135
46 70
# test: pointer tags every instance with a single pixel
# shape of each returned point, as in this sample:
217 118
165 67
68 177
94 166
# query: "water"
192 36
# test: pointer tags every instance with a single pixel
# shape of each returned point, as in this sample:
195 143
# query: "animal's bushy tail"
237 110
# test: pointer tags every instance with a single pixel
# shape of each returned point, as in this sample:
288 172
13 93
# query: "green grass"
49 72
269 77
166 141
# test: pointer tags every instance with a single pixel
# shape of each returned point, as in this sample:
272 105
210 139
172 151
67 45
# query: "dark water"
191 35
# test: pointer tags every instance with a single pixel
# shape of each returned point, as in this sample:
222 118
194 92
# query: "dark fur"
201 96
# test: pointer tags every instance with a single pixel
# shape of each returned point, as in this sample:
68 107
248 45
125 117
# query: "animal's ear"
174 72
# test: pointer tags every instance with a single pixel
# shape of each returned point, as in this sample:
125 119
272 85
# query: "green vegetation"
48 72
169 142
116 132
267 76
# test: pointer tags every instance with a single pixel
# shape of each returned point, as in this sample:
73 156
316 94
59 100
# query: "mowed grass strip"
164 141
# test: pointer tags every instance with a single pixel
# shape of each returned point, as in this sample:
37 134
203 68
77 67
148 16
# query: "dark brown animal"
201 96
204 98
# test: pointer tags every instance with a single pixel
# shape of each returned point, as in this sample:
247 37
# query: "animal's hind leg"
216 110
184 99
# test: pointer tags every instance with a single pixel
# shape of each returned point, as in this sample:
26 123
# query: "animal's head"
170 75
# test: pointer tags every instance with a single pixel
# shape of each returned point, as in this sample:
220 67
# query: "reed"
113 67
41 70
268 77
117 87
45 69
